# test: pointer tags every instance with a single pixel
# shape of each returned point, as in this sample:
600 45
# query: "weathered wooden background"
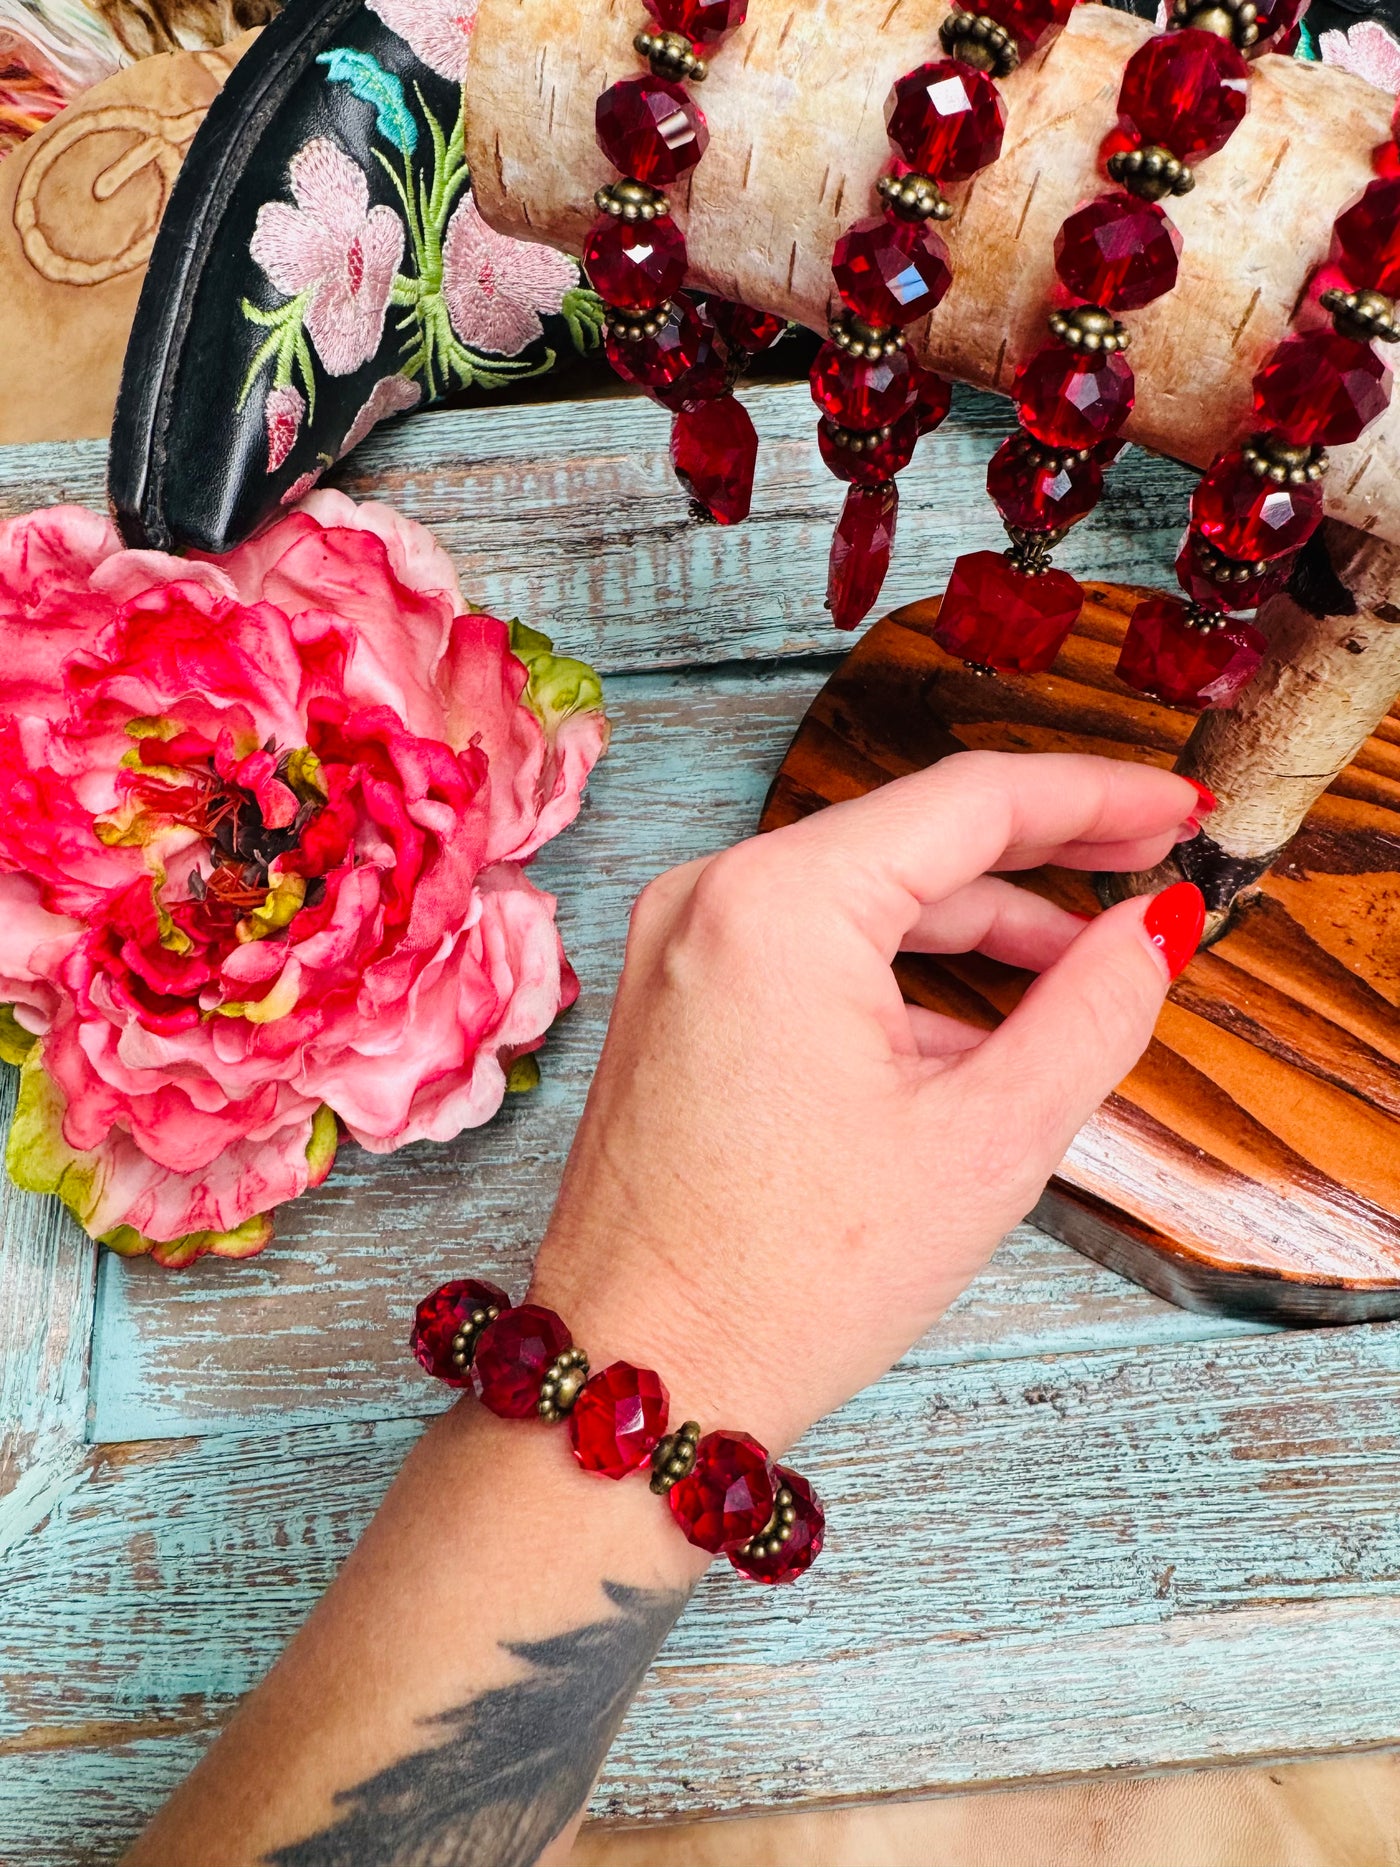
1075 1531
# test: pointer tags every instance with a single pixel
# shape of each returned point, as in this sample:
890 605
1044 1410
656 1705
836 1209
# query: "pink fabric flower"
1367 50
496 287
391 395
262 827
439 31
283 413
336 247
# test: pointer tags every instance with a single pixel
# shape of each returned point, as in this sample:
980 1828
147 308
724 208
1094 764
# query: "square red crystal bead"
618 1419
439 1319
1118 252
650 129
512 1357
996 616
728 1497
1166 655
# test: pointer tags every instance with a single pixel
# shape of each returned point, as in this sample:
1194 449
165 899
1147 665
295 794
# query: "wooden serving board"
1251 1162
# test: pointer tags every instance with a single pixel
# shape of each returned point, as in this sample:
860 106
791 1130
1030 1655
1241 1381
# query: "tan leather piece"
1336 1812
79 206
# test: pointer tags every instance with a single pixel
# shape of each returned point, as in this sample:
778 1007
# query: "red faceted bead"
946 119
1165 656
860 552
1277 23
862 392
1038 498
806 1536
658 363
1321 389
890 272
1225 592
1118 252
1066 398
618 1419
704 377
635 264
439 1319
934 396
650 129
1366 238
728 1497
702 21
512 1356
996 616
1185 91
743 328
713 449
1246 516
870 465
1028 20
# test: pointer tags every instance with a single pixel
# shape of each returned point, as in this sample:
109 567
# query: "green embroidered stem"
286 341
582 310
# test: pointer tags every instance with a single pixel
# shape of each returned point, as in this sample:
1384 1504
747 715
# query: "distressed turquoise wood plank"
315 1328
568 514
1041 1567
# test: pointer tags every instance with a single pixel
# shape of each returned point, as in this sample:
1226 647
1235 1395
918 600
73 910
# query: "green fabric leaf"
15 1042
36 1154
244 1241
557 685
372 84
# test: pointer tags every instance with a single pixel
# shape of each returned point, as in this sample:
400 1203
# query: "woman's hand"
784 1173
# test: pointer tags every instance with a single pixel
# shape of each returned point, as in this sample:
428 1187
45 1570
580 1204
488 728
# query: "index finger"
883 856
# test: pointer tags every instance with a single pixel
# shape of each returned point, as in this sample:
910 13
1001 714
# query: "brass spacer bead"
1236 20
1150 172
631 200
1203 618
562 1383
853 334
674 1458
1363 315
631 327
978 39
1269 457
914 197
465 1341
1053 459
671 55
1221 569
1089 327
777 1530
1030 551
857 440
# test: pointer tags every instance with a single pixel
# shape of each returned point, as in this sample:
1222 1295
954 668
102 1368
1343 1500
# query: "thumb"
1085 1021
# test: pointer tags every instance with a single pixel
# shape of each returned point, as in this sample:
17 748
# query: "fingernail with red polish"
1173 924
1209 801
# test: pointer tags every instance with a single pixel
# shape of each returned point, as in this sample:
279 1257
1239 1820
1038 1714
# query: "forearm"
454 1694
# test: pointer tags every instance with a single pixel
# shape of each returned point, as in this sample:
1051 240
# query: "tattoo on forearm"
515 1765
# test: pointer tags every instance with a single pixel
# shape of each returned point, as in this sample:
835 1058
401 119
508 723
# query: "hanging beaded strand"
1183 94
685 356
1260 502
945 121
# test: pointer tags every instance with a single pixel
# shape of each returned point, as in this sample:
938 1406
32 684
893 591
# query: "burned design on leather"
513 1766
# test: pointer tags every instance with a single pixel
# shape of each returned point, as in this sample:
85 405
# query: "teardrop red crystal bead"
860 552
1118 252
946 119
890 272
1246 516
806 1534
650 129
635 264
1185 91
996 616
1038 498
713 449
1171 658
1321 389
1069 400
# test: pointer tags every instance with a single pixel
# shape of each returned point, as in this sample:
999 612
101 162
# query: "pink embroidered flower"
496 287
1367 50
301 486
391 395
262 822
439 31
283 413
335 247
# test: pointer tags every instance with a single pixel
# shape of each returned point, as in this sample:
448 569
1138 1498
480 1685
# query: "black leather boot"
321 265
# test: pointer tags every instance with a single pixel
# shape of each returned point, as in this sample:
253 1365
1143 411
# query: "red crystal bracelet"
725 1493
685 355
1182 96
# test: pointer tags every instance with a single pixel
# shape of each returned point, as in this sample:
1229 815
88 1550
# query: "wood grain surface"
1254 1153
1076 1530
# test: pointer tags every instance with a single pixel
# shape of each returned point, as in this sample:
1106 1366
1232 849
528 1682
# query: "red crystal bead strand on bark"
1182 95
725 1494
1259 502
945 121
684 356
